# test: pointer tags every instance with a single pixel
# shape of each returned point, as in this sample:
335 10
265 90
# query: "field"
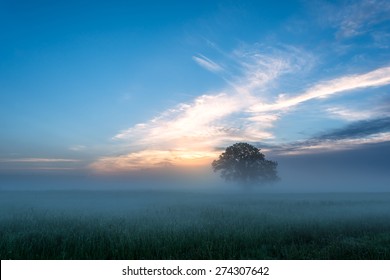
193 225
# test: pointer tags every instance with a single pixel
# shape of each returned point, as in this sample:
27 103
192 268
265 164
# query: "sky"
116 86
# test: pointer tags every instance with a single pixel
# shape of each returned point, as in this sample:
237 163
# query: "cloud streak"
326 145
350 115
376 78
207 63
359 129
351 136
38 160
77 148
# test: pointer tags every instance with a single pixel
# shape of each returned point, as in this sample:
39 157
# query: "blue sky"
122 85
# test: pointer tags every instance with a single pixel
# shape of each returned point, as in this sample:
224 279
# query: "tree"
245 163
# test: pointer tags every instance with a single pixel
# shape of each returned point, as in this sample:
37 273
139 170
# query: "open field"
185 225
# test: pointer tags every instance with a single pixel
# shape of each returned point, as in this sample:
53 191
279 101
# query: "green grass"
131 225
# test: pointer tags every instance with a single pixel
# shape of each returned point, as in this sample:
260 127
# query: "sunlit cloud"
149 159
209 121
246 110
196 120
212 119
376 78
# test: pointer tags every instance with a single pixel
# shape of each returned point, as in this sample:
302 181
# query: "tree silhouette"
245 163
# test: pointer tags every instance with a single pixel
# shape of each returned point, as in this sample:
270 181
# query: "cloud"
351 136
325 145
214 119
38 160
350 115
375 78
194 124
52 168
359 129
77 148
207 63
377 108
210 120
355 18
246 110
149 159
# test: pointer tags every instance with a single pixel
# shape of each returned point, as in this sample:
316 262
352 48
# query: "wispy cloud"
77 148
188 124
326 145
355 18
208 121
246 110
207 63
51 168
38 160
349 114
352 112
359 129
212 119
348 137
376 78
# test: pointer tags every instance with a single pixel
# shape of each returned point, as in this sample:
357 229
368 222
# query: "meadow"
193 225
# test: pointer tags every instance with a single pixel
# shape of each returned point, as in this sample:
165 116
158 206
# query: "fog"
332 177
333 206
364 170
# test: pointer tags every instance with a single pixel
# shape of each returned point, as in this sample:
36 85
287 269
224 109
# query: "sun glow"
149 159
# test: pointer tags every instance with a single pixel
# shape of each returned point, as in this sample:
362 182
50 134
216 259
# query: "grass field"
185 225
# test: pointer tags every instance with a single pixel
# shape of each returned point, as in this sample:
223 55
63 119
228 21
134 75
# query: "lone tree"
245 164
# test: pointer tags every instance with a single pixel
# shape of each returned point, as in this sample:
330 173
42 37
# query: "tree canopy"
245 163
